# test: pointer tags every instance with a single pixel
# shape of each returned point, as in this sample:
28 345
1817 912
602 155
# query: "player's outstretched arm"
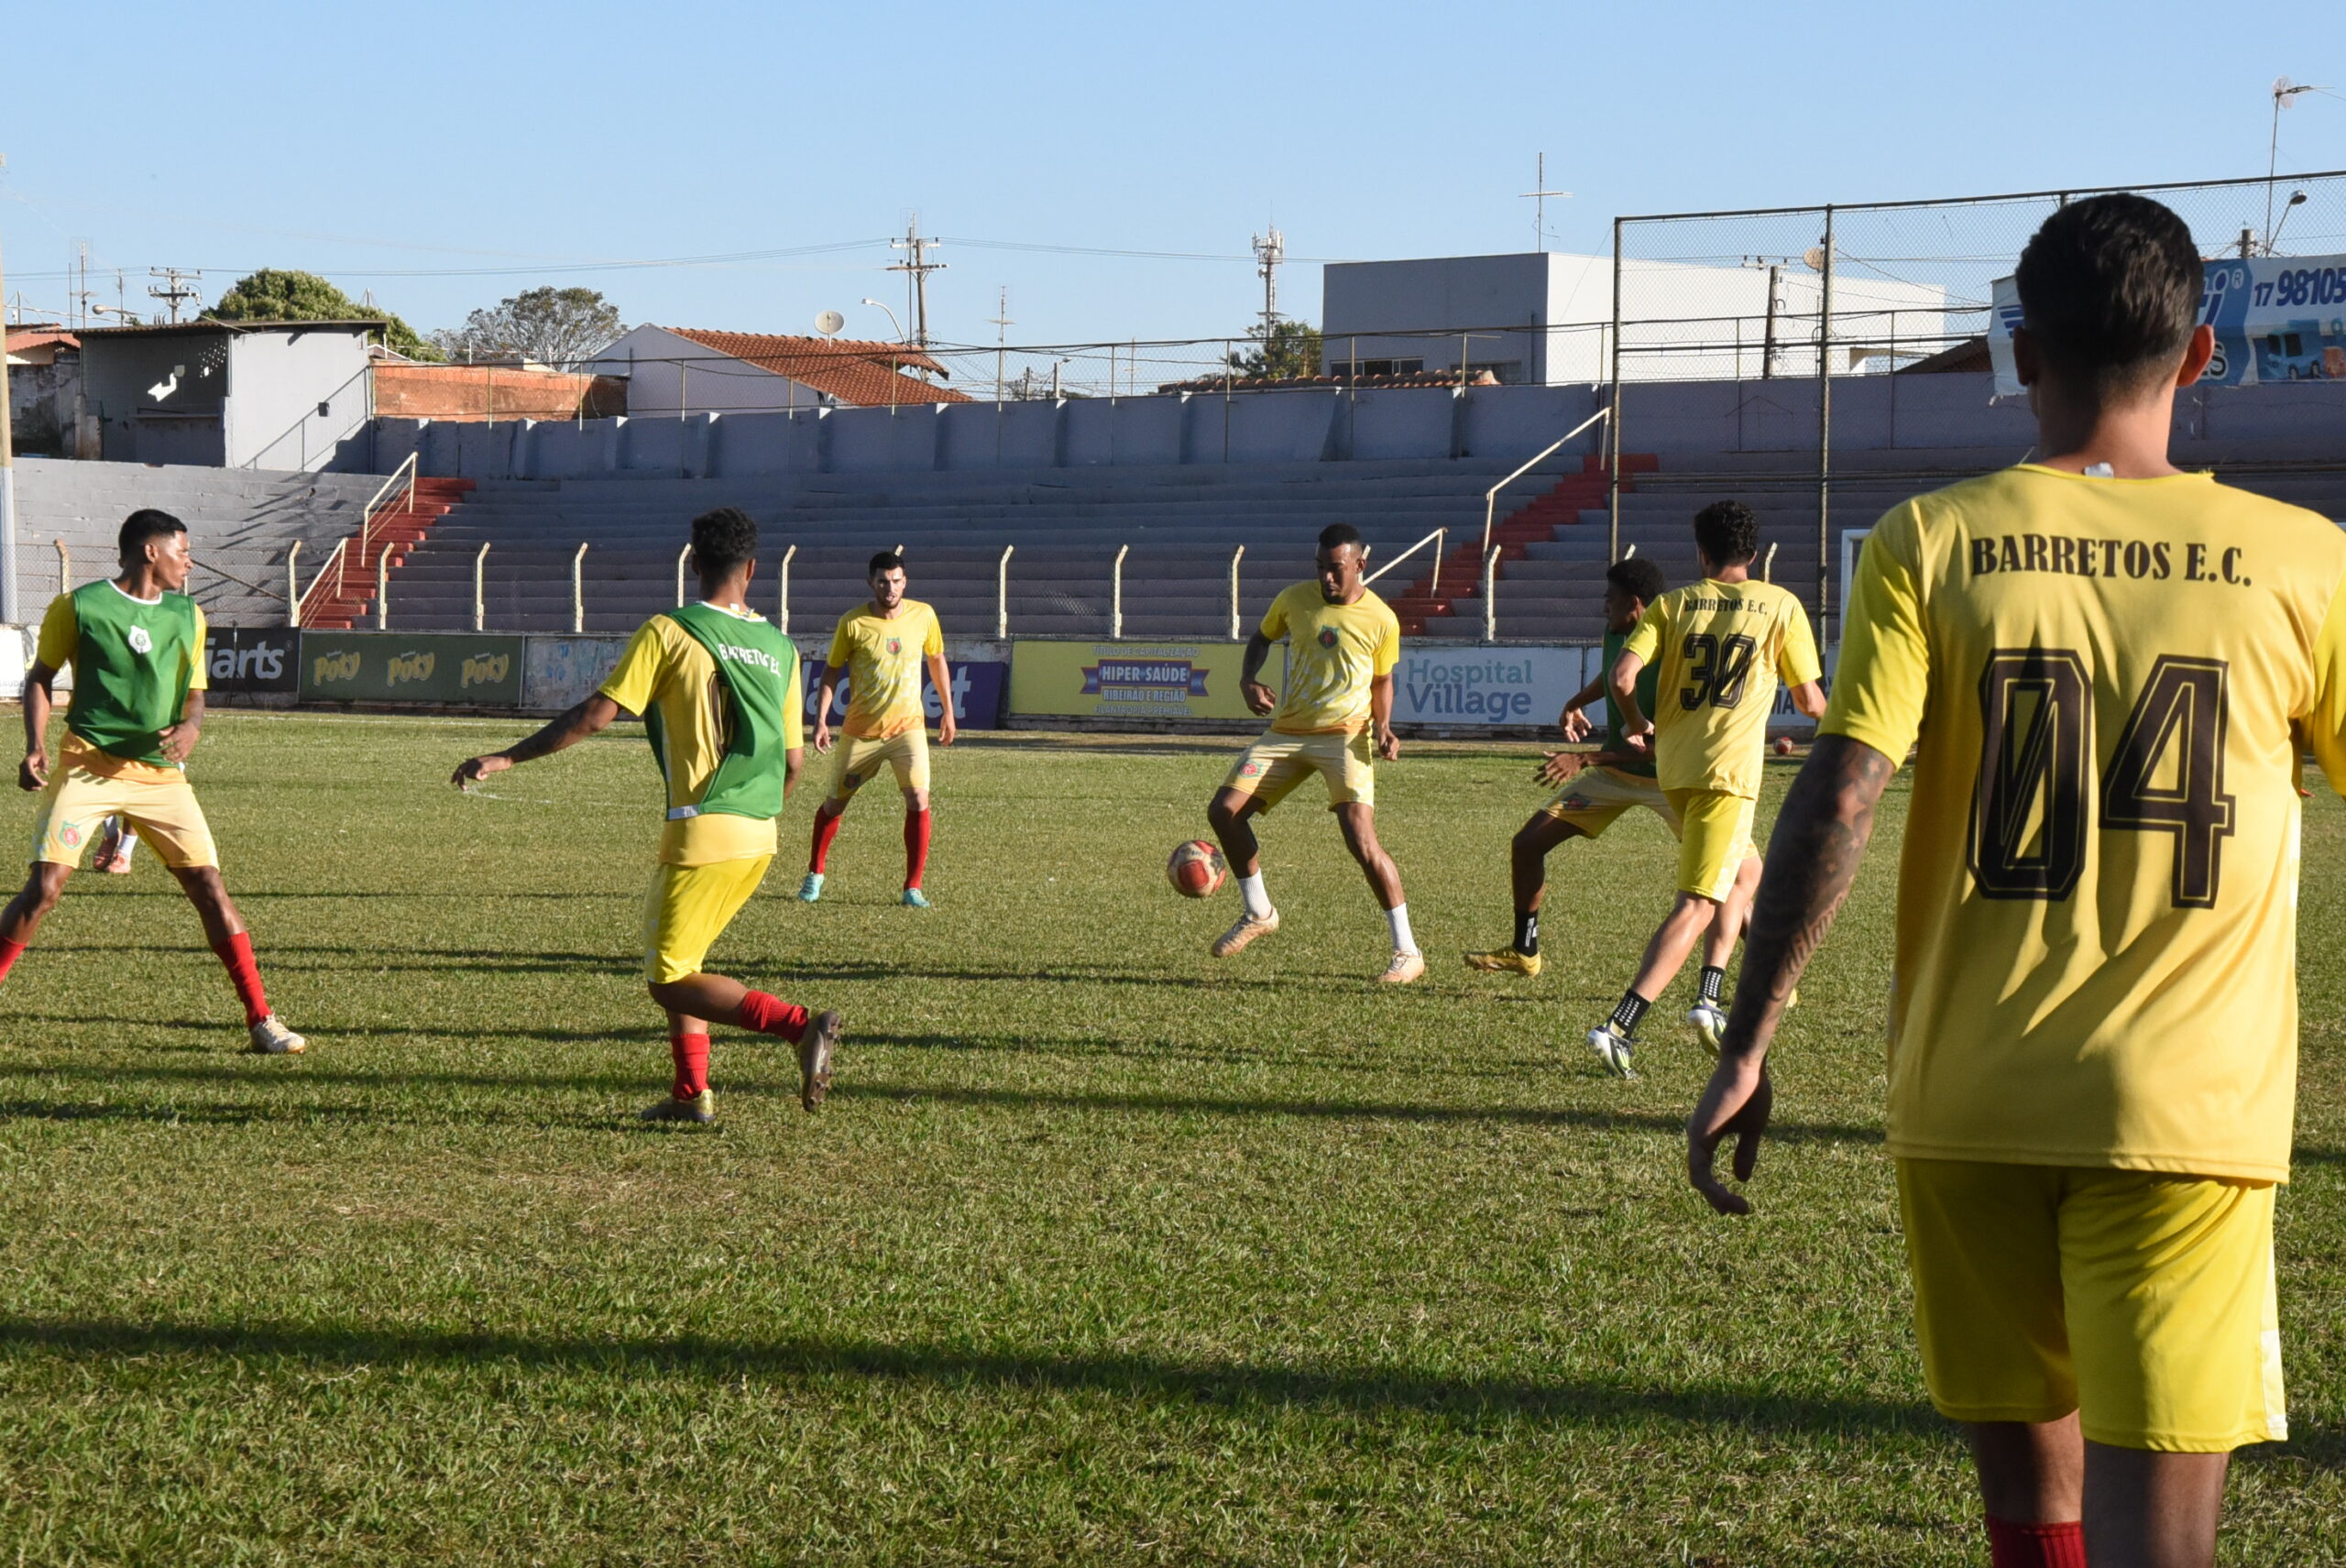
1636 727
33 774
180 739
1260 698
581 720
942 679
1809 697
1380 717
1813 861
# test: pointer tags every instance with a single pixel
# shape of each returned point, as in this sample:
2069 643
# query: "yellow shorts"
1598 795
163 808
1271 768
2143 1302
860 756
1715 842
688 908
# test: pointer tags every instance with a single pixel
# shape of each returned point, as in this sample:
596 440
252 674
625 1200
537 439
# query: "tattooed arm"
1812 860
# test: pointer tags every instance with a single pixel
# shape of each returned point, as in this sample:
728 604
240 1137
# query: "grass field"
1101 1252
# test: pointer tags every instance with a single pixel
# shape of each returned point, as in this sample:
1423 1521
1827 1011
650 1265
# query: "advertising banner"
979 687
466 669
1132 680
2277 318
1478 686
253 658
563 671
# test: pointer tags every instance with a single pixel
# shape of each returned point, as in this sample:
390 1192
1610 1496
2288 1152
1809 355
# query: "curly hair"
1728 533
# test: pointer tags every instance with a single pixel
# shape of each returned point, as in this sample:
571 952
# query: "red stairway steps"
347 601
1536 522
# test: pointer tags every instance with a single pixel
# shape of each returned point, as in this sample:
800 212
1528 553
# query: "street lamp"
2284 92
2296 199
892 318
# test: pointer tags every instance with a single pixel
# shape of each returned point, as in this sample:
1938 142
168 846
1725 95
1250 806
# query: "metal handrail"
1438 539
578 589
333 565
1491 496
1490 594
64 568
1116 597
383 591
1768 566
293 587
1235 556
782 607
480 596
682 556
1001 593
368 513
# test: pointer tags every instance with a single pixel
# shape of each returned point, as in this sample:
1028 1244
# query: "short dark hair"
886 560
1336 535
2109 289
1728 533
1637 577
722 540
142 525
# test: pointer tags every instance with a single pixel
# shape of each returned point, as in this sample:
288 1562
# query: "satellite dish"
1813 258
829 322
2281 86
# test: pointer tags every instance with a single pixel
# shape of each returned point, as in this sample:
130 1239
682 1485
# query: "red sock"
2013 1545
237 957
691 1055
826 827
916 846
772 1015
9 953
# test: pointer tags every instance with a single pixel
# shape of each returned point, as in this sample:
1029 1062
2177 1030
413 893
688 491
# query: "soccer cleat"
112 853
914 899
272 1038
812 888
1615 1049
814 1052
701 1110
1405 967
1507 961
1710 1023
1233 942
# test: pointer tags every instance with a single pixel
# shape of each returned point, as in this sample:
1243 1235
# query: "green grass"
1101 1252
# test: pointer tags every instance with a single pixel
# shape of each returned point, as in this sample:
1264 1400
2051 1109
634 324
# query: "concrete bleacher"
241 523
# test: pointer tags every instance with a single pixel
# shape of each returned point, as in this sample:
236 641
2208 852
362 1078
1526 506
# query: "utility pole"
173 292
917 271
1538 195
1002 325
80 311
1270 249
8 615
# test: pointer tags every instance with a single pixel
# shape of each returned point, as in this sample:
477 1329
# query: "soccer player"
1334 719
1593 790
1721 645
2106 669
135 643
718 690
880 647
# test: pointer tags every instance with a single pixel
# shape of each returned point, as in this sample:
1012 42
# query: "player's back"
1721 648
2097 905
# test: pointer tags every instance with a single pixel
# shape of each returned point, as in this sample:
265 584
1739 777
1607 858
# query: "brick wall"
493 391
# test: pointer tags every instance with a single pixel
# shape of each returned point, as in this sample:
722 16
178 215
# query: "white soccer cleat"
1405 967
272 1038
1614 1048
1709 1022
1236 940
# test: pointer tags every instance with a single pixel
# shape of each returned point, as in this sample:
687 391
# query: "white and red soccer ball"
1196 870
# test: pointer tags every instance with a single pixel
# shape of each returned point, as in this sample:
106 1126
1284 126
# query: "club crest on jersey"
1250 770
140 642
896 646
1327 637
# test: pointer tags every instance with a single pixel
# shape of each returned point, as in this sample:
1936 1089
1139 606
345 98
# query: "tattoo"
1813 859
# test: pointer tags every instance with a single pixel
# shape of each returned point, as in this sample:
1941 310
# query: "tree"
1291 349
276 294
552 327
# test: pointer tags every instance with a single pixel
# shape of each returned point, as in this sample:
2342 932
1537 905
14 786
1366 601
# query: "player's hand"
1562 767
472 770
1641 740
1260 698
1573 722
32 773
1736 1101
822 736
178 740
945 731
1388 745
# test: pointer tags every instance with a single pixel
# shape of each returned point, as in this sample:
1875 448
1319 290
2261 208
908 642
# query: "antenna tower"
1270 249
173 292
917 271
1538 195
1001 324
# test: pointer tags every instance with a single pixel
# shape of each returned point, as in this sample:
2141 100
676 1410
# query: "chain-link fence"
1805 295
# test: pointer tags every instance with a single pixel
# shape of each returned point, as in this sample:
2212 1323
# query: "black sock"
1714 985
1526 933
1632 1008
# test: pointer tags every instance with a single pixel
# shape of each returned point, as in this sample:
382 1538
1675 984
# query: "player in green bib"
1592 787
722 703
136 646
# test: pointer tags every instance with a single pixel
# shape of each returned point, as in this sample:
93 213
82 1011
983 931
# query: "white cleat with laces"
1236 939
272 1038
1405 967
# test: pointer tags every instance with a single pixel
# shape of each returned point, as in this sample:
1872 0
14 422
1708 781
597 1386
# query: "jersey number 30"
1718 668
2029 811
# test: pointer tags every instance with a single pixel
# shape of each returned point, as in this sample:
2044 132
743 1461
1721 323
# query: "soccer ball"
1196 870
1783 745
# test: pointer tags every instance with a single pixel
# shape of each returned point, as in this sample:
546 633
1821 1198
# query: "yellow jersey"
1334 652
883 658
2109 681
664 666
1722 647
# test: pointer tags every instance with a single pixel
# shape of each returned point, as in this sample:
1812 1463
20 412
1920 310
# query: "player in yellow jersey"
1722 644
718 690
1334 719
882 648
2106 669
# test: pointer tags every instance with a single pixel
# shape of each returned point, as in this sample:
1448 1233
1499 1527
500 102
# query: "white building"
1546 317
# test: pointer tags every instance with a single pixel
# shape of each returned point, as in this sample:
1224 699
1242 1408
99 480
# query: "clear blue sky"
393 148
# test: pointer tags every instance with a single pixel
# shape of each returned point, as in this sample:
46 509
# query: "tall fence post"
480 596
681 556
383 590
1824 436
1116 597
293 587
1235 556
578 590
1490 594
1001 595
782 604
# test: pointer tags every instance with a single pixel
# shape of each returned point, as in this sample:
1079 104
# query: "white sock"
1399 918
1257 900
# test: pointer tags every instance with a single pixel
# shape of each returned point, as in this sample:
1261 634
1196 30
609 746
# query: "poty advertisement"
2277 318
470 670
1132 680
